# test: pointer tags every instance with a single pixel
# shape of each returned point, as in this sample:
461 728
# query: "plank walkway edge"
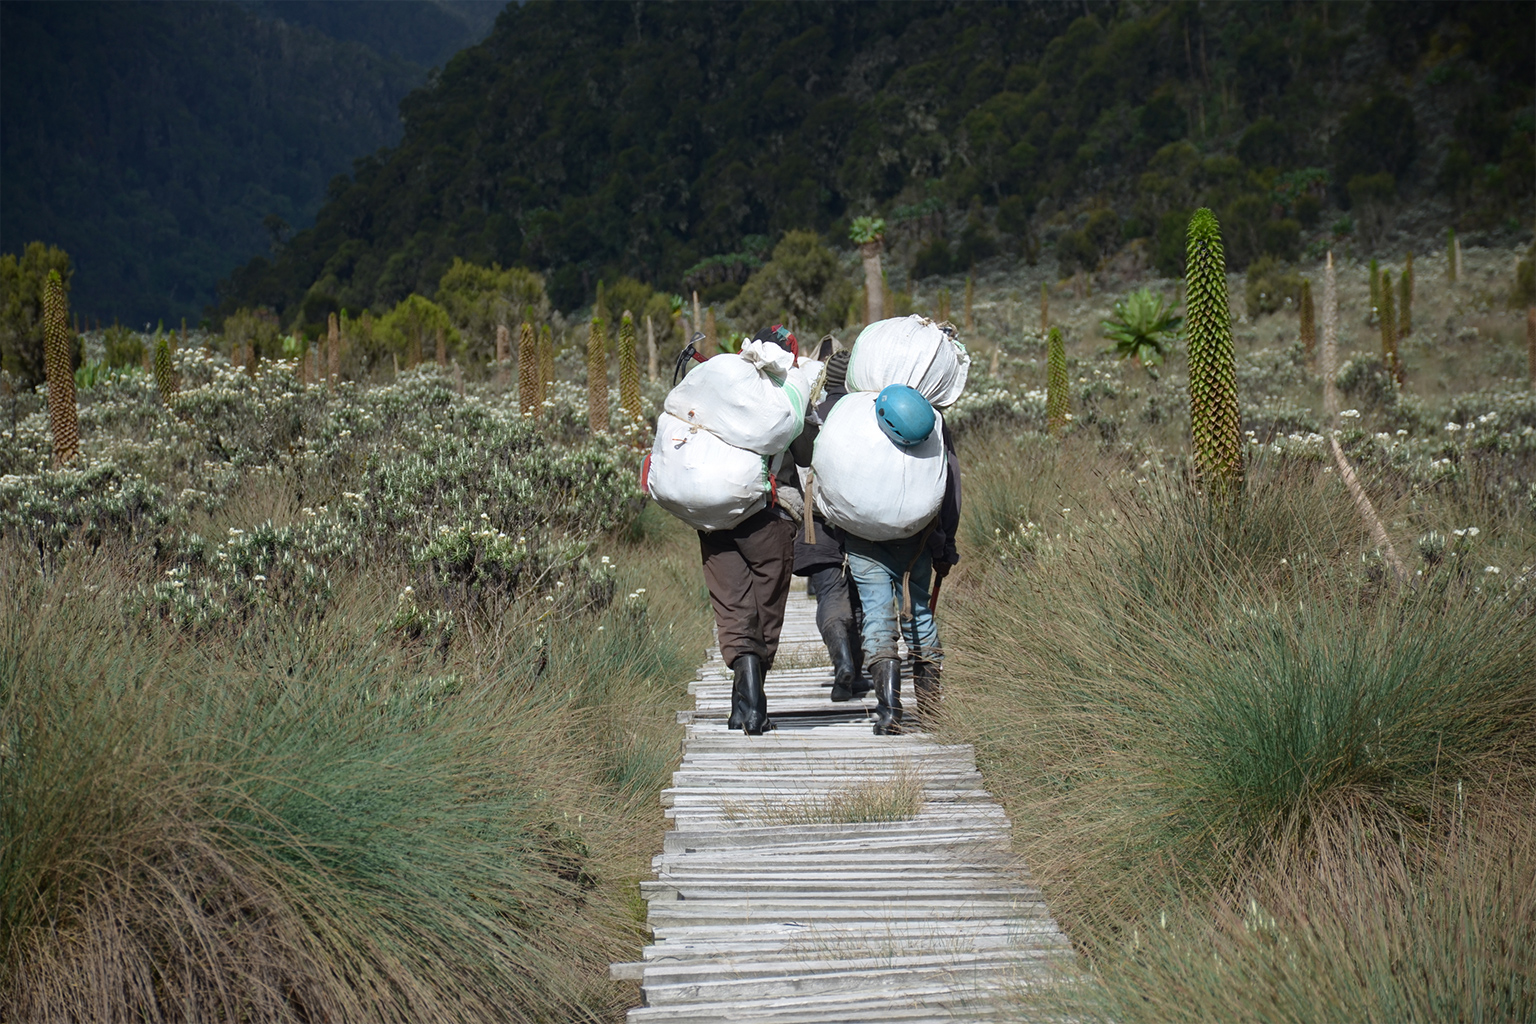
772 901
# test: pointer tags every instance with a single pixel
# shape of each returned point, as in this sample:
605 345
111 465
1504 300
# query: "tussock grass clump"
1256 777
309 824
329 817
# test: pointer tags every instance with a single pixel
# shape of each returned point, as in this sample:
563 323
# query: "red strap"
645 474
701 357
773 488
794 346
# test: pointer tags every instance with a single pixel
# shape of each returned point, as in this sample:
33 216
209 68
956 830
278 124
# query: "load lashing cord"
690 351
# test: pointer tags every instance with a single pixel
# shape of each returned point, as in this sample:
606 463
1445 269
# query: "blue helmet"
904 414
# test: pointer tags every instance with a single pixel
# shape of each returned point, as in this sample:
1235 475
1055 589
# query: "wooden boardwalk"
769 905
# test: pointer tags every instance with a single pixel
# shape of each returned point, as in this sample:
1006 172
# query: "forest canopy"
673 141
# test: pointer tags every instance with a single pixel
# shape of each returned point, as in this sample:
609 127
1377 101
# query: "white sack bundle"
909 350
867 484
754 400
705 482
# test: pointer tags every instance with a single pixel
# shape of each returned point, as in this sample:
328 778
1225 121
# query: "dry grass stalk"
1308 324
63 415
1331 411
1330 343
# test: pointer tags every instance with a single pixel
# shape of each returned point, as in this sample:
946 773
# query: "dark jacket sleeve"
941 542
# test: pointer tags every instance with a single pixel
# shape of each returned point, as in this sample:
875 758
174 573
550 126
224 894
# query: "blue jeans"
877 568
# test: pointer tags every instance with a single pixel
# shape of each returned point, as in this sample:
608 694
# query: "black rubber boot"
927 689
841 644
738 709
750 696
886 674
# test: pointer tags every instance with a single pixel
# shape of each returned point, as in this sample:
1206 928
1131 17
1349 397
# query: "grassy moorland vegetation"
1257 777
329 704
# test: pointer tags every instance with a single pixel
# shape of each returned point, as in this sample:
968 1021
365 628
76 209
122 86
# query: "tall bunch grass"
1256 778
320 820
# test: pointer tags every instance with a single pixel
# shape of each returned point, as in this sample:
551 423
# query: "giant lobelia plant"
527 371
629 366
597 377
1056 402
868 233
1143 327
62 414
1213 416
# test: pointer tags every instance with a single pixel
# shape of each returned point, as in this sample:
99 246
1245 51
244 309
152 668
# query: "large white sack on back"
705 482
867 484
754 400
909 350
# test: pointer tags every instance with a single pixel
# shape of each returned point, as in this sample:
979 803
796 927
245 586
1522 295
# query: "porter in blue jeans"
879 569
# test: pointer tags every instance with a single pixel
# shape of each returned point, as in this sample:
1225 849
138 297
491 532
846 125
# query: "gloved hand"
941 569
791 501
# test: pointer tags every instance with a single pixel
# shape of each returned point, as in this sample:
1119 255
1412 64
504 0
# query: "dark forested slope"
595 139
162 144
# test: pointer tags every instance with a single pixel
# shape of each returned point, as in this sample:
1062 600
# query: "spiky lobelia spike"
527 370
504 353
1405 308
546 368
165 373
1375 272
1308 323
597 377
1057 403
1330 342
62 413
1530 343
1388 316
1213 415
629 366
332 350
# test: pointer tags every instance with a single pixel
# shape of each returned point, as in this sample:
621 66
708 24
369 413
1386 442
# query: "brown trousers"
747 570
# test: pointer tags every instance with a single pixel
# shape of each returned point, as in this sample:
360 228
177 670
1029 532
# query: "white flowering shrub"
478 504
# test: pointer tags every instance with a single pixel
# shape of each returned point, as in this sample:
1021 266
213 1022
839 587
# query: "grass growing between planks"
898 797
332 817
1256 780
